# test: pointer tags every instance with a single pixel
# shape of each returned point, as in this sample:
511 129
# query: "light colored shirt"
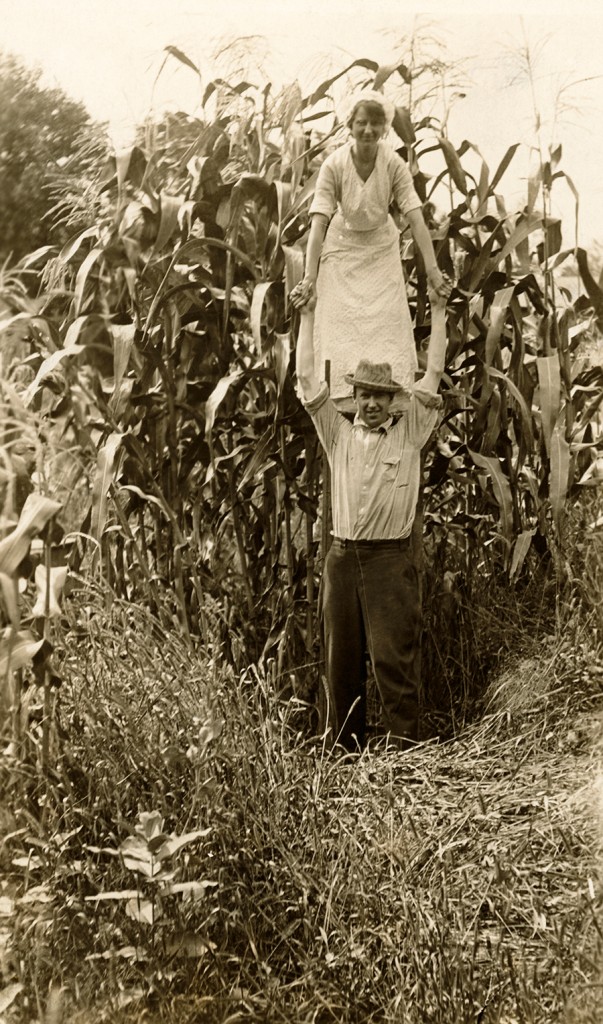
364 205
375 472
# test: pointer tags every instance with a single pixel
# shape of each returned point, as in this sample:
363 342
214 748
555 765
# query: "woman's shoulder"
335 164
338 157
388 155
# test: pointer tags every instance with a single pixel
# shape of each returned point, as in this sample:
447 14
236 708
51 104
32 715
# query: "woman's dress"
362 310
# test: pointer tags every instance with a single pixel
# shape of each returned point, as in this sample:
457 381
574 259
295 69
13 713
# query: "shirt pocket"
393 471
390 467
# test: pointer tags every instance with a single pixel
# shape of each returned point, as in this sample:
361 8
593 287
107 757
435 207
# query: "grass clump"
191 856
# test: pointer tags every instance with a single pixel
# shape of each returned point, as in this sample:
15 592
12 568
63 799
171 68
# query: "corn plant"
162 341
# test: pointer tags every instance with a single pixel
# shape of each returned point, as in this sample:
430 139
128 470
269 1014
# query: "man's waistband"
396 542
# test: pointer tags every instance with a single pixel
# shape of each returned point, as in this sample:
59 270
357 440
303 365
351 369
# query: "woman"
362 307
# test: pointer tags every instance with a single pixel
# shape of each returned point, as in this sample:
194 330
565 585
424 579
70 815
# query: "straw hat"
374 377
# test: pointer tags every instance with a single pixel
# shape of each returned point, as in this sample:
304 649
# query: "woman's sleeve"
326 191
402 185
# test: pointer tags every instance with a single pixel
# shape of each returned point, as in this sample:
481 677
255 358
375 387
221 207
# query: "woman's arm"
318 230
322 208
424 244
409 204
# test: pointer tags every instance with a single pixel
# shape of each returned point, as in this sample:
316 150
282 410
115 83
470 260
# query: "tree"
39 129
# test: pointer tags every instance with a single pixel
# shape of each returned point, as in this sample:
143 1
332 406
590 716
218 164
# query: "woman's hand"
439 283
304 293
438 299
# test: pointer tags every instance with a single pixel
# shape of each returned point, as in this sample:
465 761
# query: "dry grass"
460 882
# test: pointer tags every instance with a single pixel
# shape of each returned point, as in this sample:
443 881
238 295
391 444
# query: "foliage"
192 857
166 822
39 130
161 344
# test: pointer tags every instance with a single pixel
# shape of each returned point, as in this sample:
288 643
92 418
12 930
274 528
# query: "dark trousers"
370 599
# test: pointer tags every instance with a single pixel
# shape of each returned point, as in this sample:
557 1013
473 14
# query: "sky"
109 54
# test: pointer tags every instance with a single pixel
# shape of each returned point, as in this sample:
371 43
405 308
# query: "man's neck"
359 422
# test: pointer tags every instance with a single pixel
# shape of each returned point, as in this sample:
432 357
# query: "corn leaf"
294 152
179 55
520 550
142 494
123 340
500 487
534 184
47 368
403 126
294 267
9 994
283 193
10 593
304 194
324 88
216 398
498 312
107 464
71 247
454 165
549 380
493 422
48 590
522 230
168 223
385 71
288 108
13 549
122 165
82 277
560 472
221 85
483 186
524 412
282 355
18 650
255 316
261 457
503 166
36 512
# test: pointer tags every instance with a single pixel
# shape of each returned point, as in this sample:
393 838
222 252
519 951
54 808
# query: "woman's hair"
371 106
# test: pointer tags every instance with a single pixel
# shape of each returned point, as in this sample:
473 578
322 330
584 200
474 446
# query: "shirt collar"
381 429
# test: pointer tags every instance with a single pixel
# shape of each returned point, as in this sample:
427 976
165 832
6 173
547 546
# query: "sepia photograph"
301 512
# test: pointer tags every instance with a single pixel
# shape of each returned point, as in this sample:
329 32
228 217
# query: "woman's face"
368 124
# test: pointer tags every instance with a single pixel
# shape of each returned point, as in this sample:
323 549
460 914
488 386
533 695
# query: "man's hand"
304 294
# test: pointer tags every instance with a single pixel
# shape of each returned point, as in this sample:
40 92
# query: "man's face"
373 406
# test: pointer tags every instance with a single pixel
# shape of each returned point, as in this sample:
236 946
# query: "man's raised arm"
436 349
305 369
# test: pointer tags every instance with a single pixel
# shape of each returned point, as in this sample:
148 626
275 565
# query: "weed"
194 856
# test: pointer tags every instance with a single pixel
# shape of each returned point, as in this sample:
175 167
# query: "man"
370 588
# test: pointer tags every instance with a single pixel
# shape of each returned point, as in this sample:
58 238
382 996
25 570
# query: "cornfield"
148 381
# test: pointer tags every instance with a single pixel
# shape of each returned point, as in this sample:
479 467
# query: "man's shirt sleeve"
325 417
422 415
